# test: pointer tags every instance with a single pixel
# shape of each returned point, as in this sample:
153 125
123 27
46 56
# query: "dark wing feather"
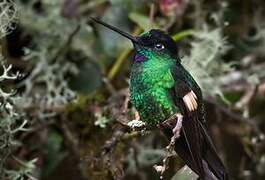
188 145
194 145
184 83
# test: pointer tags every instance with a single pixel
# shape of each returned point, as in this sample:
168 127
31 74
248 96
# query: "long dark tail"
196 149
210 156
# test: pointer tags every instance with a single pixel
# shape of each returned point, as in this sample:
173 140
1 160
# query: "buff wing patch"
190 100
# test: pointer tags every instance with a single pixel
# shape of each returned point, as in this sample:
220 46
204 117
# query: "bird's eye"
159 46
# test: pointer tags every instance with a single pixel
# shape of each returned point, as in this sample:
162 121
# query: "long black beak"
124 34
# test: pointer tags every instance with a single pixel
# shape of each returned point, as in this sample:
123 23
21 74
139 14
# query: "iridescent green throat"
150 82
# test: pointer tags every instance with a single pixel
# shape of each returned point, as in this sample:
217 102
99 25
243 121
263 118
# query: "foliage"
11 119
65 114
209 45
11 122
8 16
185 173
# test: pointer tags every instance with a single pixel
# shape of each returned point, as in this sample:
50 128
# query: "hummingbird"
166 95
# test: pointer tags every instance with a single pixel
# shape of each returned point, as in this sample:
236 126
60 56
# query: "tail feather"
182 150
196 149
210 156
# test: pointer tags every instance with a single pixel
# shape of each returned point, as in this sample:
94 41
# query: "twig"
118 107
175 120
68 135
120 136
109 86
133 134
245 101
108 149
233 116
112 142
165 161
152 13
62 50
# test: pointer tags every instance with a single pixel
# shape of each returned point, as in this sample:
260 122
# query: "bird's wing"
187 90
189 144
194 145
188 96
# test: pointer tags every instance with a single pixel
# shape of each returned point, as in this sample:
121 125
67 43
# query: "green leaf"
185 173
87 80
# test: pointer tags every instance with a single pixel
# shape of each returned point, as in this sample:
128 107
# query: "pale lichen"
8 16
205 61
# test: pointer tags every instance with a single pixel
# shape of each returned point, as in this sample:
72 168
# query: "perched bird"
166 96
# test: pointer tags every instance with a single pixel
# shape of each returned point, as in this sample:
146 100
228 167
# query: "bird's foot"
176 130
136 123
176 122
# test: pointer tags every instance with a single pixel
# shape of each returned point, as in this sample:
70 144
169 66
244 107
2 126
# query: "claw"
136 124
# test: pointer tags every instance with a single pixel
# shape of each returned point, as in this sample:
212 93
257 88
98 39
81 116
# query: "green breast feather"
149 86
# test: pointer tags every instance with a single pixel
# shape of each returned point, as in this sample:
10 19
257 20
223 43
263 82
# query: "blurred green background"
64 86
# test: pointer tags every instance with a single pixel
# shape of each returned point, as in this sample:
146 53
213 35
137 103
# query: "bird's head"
152 45
155 44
